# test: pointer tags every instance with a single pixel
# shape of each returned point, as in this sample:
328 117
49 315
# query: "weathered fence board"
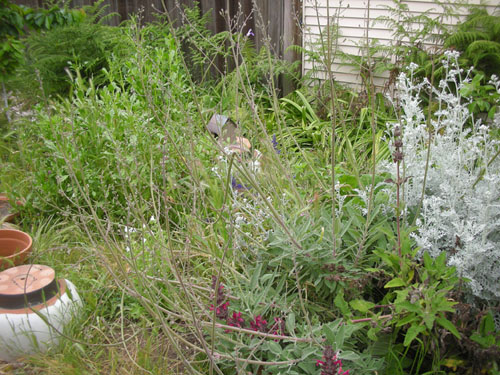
272 21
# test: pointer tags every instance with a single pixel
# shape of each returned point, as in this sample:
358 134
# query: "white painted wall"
356 18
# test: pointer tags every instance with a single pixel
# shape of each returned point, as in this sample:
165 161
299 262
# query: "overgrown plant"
273 260
459 211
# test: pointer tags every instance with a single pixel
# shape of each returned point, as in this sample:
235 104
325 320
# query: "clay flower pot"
6 213
15 246
34 308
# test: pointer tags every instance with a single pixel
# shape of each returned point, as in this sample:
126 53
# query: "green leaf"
485 342
361 305
372 334
429 320
307 352
394 283
274 347
487 326
412 333
408 319
491 112
308 367
339 340
255 277
290 323
341 303
408 306
331 336
349 355
446 324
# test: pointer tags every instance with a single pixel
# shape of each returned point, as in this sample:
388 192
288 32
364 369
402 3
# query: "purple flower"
275 145
250 33
237 186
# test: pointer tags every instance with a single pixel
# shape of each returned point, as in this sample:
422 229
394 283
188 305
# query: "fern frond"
97 12
462 39
482 47
495 31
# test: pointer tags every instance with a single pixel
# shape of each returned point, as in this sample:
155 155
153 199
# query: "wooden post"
292 13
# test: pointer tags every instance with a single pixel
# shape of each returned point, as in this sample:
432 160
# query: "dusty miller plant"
454 185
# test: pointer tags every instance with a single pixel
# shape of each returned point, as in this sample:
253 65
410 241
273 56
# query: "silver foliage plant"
460 209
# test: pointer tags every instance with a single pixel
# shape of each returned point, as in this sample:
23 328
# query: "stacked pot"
34 305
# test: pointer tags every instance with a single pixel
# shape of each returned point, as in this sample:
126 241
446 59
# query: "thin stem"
6 102
334 134
398 209
371 93
429 144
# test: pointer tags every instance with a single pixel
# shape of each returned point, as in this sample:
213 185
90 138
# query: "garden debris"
222 128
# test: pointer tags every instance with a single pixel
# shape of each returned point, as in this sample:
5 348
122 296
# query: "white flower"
460 210
412 67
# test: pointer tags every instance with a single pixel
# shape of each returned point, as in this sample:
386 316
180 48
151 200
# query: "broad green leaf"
407 319
412 333
429 320
308 366
372 334
361 305
408 306
487 325
274 347
394 283
446 324
484 341
341 303
331 336
349 355
307 352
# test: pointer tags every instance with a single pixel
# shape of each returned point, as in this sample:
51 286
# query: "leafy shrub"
85 47
106 142
478 41
456 183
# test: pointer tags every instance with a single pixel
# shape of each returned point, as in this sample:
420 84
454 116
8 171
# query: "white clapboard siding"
356 18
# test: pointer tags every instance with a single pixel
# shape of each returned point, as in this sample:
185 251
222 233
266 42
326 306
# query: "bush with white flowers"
460 207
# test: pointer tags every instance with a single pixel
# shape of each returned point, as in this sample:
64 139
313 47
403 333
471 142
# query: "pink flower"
222 304
235 321
330 365
259 324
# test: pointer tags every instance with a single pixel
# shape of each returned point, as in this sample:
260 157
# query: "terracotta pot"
34 308
15 246
6 213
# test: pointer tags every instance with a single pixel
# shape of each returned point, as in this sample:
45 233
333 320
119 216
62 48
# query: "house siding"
356 18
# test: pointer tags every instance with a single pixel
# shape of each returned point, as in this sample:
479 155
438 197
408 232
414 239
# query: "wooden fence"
275 21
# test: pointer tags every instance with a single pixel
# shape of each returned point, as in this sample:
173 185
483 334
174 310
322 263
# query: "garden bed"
334 232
